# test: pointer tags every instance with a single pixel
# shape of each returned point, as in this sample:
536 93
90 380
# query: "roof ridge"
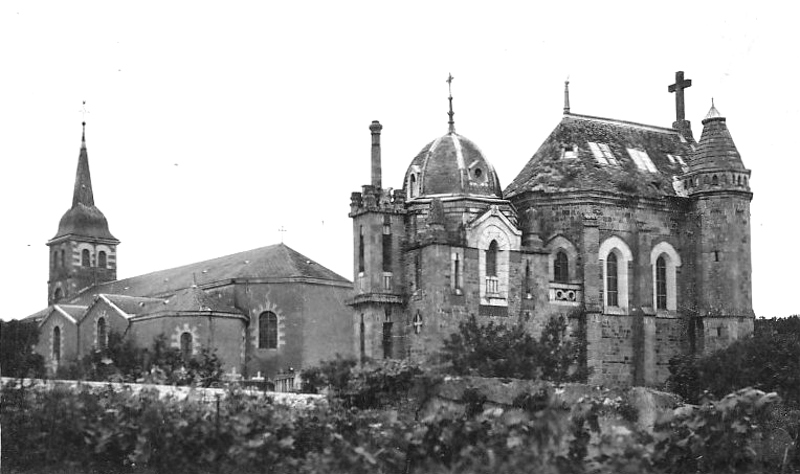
625 122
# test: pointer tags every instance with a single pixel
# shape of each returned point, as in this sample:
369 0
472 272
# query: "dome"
451 165
86 221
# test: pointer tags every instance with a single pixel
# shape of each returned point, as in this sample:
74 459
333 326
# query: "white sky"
210 126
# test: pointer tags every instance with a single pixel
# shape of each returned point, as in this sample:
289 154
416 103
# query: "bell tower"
83 252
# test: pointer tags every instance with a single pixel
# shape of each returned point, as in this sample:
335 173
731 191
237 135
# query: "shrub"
17 358
498 350
768 361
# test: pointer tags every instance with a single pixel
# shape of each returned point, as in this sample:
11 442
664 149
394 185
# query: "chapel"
638 234
266 313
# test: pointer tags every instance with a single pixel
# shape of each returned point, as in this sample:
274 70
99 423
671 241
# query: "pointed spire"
82 193
451 123
566 96
712 112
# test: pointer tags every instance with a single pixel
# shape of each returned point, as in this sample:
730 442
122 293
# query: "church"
267 312
638 234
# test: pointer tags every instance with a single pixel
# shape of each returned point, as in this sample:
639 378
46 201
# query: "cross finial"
282 230
451 124
566 96
677 88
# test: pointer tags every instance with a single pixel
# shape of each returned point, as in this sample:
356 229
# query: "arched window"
661 283
612 288
186 345
101 259
491 259
63 258
57 344
54 259
57 295
715 181
268 330
412 185
665 262
102 334
561 267
85 258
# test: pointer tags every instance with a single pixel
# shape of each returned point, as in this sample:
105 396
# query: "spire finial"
451 123
83 123
566 96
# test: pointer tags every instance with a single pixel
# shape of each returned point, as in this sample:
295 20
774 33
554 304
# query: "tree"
17 357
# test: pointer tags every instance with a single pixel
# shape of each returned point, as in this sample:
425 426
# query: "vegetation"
769 361
123 361
17 358
498 350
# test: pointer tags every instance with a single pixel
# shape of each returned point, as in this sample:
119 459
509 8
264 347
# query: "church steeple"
83 252
83 179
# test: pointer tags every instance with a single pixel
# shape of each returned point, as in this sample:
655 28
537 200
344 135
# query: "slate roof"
275 261
194 299
553 169
452 164
716 149
131 305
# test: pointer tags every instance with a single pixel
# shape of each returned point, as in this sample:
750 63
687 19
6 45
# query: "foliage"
724 436
17 357
498 350
330 374
117 431
123 361
769 361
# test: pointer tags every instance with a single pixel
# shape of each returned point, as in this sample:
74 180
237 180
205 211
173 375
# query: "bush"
17 358
498 350
768 361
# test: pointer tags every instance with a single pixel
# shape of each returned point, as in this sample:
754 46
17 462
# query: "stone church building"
267 312
638 233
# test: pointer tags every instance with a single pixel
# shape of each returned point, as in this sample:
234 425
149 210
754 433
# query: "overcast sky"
212 125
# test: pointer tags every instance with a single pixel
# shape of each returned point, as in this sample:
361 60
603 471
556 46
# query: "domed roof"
84 220
451 165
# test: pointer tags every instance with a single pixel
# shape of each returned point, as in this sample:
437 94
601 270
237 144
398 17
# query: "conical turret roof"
716 150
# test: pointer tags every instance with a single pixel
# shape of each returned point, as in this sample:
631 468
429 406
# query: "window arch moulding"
623 259
569 292
673 262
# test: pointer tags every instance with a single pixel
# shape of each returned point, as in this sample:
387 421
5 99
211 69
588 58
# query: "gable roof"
552 169
272 262
72 313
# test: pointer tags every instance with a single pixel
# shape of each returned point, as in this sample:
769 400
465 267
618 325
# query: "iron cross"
677 88
282 231
449 83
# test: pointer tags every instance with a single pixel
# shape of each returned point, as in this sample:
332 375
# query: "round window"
478 173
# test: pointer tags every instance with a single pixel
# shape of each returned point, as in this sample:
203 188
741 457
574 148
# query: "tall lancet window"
102 334
661 283
57 344
491 259
361 249
186 345
561 268
612 288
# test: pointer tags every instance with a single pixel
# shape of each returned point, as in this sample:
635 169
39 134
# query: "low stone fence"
648 403
208 395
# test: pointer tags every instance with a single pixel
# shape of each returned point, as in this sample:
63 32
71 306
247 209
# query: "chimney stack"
375 127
